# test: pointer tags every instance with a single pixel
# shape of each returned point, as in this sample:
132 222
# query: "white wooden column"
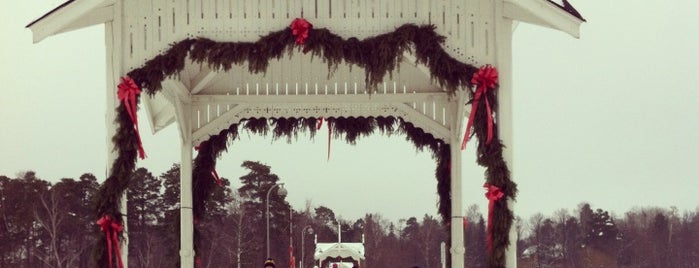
456 107
503 58
114 61
186 214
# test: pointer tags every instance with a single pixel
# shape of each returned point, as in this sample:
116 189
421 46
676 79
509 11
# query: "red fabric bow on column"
493 194
299 28
110 229
486 78
127 93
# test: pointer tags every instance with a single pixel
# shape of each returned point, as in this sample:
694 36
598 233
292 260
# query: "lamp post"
303 234
281 192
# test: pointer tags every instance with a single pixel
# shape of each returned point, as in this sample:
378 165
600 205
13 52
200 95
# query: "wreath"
378 56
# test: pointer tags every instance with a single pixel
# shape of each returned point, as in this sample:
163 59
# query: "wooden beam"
412 60
183 114
223 121
162 111
97 16
203 79
359 98
177 89
178 94
61 19
424 122
505 113
542 13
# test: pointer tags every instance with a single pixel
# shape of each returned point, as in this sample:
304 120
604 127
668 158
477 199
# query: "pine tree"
144 215
253 192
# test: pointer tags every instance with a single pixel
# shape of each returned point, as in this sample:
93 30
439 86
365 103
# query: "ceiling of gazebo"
301 74
298 76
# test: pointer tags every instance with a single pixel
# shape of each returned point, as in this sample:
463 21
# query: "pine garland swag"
378 56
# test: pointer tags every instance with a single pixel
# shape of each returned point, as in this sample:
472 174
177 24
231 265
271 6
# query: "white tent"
354 251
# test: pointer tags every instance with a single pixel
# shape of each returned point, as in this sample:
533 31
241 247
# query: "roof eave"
543 13
72 15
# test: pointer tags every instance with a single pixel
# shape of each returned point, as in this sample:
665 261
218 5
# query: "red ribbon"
330 133
292 260
218 180
493 194
127 93
486 78
465 222
299 28
110 229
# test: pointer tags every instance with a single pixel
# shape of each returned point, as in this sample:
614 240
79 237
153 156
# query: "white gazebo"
202 100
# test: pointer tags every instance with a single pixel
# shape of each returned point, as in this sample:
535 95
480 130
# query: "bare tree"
51 217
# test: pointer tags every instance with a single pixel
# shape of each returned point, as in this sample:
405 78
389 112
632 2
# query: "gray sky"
611 119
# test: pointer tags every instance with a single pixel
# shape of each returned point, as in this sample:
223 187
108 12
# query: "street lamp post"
280 192
303 234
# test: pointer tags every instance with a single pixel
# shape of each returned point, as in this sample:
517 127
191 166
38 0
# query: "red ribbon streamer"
127 93
486 78
110 229
218 180
292 259
299 28
330 132
493 194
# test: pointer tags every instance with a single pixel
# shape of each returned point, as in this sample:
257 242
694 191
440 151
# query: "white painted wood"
186 213
60 19
321 98
114 68
202 80
457 250
542 13
505 114
97 16
427 124
160 111
178 89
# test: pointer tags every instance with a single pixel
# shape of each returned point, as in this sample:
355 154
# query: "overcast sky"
611 119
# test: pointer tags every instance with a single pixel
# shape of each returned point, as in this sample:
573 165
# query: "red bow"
493 194
127 93
110 229
486 78
299 28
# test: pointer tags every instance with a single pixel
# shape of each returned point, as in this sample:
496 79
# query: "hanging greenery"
378 56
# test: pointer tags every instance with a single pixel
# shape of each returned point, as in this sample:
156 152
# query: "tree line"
45 224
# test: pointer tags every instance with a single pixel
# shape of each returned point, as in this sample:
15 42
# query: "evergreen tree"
253 191
660 234
604 234
144 219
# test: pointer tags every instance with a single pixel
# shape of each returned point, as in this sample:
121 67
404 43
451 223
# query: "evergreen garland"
378 56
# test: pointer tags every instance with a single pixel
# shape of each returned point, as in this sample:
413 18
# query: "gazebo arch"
207 64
